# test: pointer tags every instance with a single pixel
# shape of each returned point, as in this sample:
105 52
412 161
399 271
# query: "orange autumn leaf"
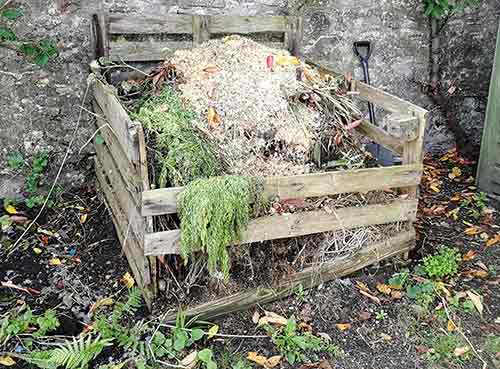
343 326
213 117
493 241
471 231
385 289
211 69
455 172
450 327
471 254
256 358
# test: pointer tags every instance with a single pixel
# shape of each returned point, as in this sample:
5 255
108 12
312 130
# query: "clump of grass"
214 213
184 154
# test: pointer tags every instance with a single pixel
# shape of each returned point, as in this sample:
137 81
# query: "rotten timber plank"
164 200
150 24
145 50
125 130
246 25
380 136
298 224
308 278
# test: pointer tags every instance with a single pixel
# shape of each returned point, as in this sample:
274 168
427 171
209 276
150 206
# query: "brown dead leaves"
271 362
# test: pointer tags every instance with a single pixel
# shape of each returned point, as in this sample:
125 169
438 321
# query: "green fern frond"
131 306
77 354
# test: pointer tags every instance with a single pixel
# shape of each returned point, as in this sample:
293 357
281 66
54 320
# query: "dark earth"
388 333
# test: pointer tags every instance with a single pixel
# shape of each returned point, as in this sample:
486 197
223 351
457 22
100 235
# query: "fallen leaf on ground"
422 349
323 364
386 337
385 289
471 254
362 286
213 331
190 360
10 209
476 300
128 280
371 297
450 327
459 351
37 251
365 315
493 241
272 318
83 218
55 261
256 358
255 317
18 219
273 361
455 173
306 314
343 326
107 301
475 273
213 117
305 327
7 361
471 231
396 295
325 336
435 188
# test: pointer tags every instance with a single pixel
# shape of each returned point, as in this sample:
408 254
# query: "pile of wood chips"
248 97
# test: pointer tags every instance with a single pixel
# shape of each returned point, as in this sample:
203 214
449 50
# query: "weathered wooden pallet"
121 166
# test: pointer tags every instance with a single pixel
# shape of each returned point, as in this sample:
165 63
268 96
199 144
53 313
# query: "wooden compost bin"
121 165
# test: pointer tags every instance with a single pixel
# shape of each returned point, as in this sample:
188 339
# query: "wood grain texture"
145 50
488 171
124 24
164 200
308 278
129 170
402 126
130 245
380 136
123 127
385 100
245 25
298 224
127 198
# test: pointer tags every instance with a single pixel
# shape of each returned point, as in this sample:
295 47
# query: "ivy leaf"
28 49
12 14
6 34
99 140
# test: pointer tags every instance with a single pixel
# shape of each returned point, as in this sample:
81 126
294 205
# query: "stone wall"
39 105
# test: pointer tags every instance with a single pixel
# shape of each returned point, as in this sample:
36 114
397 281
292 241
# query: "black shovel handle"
363 51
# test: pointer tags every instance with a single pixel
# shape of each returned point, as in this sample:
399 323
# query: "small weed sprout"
381 315
442 348
15 160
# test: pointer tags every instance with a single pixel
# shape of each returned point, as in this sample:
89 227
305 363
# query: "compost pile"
238 108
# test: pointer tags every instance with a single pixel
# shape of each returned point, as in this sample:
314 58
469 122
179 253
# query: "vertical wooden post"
143 169
201 32
413 154
100 31
294 35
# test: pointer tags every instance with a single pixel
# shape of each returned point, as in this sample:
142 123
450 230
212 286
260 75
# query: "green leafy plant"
38 167
424 293
442 348
39 52
443 264
15 160
300 293
399 280
214 213
381 315
184 154
295 346
73 355
441 8
206 358
475 204
23 320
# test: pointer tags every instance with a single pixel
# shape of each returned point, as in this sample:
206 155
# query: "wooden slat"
307 278
130 244
245 25
127 169
148 221
201 32
385 100
164 200
128 199
125 130
298 224
402 126
145 50
380 136
150 24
